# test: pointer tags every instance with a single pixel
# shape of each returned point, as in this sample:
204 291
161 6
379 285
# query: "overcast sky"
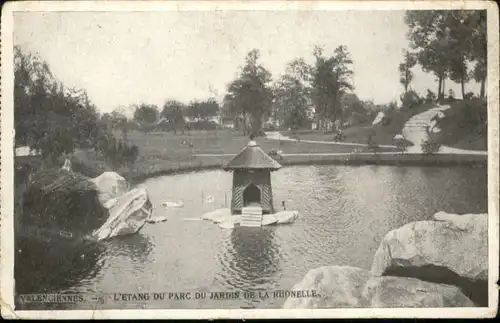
126 58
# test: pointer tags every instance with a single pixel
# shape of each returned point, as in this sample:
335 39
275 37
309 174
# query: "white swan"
173 204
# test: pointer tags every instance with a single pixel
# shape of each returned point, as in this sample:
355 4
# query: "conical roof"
252 157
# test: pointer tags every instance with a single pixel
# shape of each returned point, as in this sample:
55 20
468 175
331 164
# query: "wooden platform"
251 216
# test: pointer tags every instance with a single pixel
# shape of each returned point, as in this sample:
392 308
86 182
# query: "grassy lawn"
382 134
464 125
163 152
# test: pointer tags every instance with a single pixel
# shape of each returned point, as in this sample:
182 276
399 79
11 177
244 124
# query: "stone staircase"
251 216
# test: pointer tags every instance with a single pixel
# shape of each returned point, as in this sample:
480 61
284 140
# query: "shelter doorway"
251 195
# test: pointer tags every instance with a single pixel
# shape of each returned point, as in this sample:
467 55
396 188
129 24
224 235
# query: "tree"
249 95
406 75
446 41
119 122
173 112
48 116
203 110
430 37
331 79
478 54
145 116
292 95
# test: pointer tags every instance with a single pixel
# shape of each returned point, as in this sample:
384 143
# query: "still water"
344 213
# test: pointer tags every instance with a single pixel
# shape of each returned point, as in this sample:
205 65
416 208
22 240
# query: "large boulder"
111 186
127 216
336 286
390 292
453 249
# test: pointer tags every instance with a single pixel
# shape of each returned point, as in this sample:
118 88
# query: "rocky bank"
437 263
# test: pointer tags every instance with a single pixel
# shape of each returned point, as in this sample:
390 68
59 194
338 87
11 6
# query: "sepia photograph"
237 158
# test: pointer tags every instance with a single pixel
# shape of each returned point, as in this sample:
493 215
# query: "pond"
344 211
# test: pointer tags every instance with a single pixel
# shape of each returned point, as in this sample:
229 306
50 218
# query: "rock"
337 287
127 216
390 292
110 185
457 242
379 118
452 250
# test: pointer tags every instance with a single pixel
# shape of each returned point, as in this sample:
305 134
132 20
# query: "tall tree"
292 95
446 41
48 116
203 110
405 72
331 79
173 112
250 94
145 116
478 54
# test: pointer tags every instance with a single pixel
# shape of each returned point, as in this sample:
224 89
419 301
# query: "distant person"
284 205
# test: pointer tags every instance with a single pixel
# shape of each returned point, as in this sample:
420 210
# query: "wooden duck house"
252 169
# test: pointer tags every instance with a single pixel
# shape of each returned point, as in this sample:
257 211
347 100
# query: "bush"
468 96
118 152
410 99
372 144
431 96
62 200
430 146
258 133
202 125
451 95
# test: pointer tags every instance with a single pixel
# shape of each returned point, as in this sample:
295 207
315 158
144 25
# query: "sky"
125 58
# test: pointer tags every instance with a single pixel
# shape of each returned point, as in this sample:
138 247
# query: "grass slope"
464 125
163 152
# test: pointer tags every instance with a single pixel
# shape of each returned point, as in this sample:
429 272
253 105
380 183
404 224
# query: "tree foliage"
146 116
48 116
331 78
202 110
405 73
173 111
292 95
447 41
249 96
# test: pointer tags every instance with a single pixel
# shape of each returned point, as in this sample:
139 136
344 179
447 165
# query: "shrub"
431 96
410 99
77 209
118 152
451 95
430 146
372 144
202 125
468 96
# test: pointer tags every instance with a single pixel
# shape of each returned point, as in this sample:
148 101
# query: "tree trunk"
463 87
483 83
439 96
443 88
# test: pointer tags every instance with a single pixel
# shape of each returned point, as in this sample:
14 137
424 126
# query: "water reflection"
344 214
50 267
137 247
250 258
